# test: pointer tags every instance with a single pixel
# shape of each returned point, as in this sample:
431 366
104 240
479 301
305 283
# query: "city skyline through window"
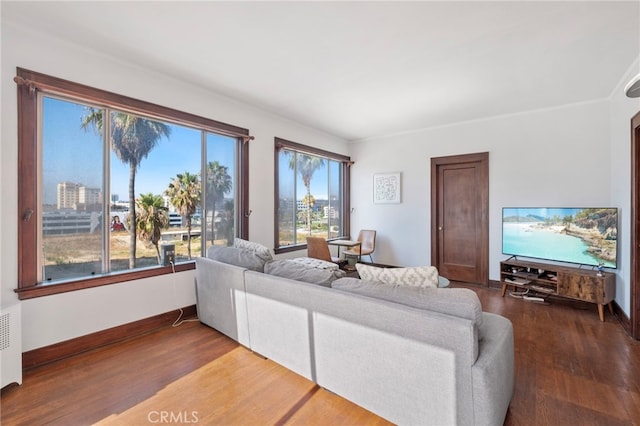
79 232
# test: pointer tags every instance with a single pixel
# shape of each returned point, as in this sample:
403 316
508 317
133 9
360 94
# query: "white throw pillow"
257 248
417 276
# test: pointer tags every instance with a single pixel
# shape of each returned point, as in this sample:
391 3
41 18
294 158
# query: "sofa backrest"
401 361
460 302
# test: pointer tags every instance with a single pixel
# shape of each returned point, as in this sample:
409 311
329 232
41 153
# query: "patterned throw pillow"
257 248
417 276
315 263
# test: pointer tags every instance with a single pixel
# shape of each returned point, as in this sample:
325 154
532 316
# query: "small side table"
345 243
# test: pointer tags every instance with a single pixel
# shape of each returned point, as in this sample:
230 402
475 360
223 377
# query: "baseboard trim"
495 284
45 355
625 321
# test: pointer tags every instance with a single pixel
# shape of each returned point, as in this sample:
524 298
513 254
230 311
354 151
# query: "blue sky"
73 154
319 186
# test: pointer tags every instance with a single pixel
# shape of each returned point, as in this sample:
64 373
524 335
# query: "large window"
113 189
312 188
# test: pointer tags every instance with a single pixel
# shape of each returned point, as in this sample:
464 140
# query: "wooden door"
459 217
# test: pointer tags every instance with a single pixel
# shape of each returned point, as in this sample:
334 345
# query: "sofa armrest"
221 298
493 372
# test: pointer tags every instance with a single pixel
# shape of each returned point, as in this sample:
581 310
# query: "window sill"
288 249
47 289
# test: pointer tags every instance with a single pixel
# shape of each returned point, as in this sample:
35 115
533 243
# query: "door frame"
483 159
634 317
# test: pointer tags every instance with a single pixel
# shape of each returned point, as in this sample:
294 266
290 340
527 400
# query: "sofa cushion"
460 302
287 268
257 248
236 256
418 276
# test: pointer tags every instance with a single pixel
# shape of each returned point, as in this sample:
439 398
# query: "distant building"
67 195
89 196
76 196
175 219
66 222
330 212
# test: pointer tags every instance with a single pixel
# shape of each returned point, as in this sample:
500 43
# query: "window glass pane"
310 199
312 191
333 208
166 154
221 204
72 193
146 156
287 199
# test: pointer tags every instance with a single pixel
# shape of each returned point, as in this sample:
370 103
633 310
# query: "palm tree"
132 138
219 182
225 226
306 165
184 195
309 201
567 221
152 218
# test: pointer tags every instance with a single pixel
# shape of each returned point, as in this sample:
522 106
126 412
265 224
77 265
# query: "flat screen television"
586 236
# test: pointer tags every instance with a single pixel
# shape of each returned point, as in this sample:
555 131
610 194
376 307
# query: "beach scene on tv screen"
583 236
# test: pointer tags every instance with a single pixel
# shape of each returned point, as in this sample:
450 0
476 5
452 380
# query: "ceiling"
365 69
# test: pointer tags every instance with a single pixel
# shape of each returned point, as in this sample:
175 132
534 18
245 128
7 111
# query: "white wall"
554 157
622 109
52 319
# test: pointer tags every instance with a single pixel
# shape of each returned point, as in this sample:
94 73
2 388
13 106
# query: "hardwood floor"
570 369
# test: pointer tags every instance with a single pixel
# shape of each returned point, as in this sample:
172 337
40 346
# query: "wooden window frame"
280 144
29 83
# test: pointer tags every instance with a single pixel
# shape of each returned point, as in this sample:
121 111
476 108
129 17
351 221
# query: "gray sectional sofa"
419 356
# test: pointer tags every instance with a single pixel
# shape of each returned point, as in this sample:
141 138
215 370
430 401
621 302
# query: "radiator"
11 344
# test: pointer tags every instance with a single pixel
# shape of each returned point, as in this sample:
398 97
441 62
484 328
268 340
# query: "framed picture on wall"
386 188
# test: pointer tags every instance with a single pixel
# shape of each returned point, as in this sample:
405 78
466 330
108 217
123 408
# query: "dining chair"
367 239
319 249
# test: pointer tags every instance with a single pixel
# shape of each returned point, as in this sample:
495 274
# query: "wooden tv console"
544 279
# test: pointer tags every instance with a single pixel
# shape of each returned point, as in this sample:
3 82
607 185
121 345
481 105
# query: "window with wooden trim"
113 189
311 194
